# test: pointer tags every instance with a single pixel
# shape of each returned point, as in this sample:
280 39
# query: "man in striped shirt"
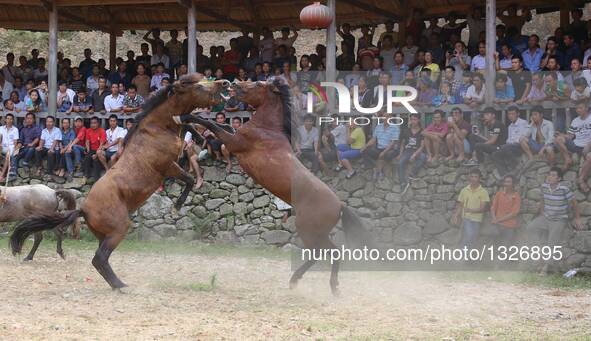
553 214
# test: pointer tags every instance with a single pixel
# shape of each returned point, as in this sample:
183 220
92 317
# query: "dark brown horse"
262 146
150 155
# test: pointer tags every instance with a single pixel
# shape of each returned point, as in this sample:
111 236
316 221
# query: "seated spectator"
494 136
549 227
112 149
19 106
156 81
449 79
160 57
581 90
99 95
578 141
233 104
384 144
328 149
74 151
340 135
9 137
504 92
65 98
540 137
66 164
384 81
426 91
192 150
132 102
307 146
476 92
520 79
538 89
471 205
353 150
463 88
411 150
555 89
142 81
34 103
92 82
458 59
445 96
48 148
30 134
503 60
504 212
576 71
431 65
214 145
121 75
236 124
479 61
95 139
82 102
8 106
507 155
435 135
457 135
114 102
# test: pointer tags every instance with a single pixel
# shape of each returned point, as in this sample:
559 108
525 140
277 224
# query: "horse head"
194 91
257 93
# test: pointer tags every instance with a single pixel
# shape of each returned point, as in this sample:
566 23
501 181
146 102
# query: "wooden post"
491 45
331 53
112 49
192 39
52 67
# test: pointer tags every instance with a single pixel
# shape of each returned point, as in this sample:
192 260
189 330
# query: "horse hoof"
62 255
293 285
124 289
336 292
28 259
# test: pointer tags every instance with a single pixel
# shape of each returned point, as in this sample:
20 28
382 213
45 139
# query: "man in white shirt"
479 61
111 151
156 81
5 88
114 102
160 57
475 94
49 147
308 146
8 138
506 156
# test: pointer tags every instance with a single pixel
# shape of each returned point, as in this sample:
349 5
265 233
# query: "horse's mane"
152 103
285 95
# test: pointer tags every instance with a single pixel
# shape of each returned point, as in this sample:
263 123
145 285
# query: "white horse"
21 202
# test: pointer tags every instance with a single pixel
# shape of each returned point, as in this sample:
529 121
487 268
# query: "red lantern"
316 16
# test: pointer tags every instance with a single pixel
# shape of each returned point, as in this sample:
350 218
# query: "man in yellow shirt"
472 203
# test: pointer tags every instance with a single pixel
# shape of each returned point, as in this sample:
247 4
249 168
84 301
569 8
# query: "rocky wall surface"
231 208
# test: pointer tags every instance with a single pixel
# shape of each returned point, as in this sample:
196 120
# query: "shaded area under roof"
216 15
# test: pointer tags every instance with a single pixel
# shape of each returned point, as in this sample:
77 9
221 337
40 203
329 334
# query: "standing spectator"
285 39
347 36
553 214
132 102
175 49
520 79
8 143
92 82
49 147
131 64
76 81
384 145
512 19
476 24
435 136
415 24
86 65
452 27
192 150
389 32
532 57
111 150
387 53
366 39
356 143
245 44
10 70
266 45
552 50
66 164
121 75
458 59
505 210
411 150
114 102
5 88
30 134
159 57
231 60
540 137
308 147
494 137
472 203
82 102
95 139
145 57
99 95
155 40
457 135
572 50
507 155
40 73
24 69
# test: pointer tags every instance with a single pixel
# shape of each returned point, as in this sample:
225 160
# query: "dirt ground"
52 299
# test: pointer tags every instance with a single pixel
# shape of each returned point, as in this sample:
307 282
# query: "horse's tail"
356 234
38 223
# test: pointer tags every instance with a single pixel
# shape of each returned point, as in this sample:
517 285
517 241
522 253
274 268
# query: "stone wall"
233 209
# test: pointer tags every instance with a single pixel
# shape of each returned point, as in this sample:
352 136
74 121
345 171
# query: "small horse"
151 152
22 202
262 147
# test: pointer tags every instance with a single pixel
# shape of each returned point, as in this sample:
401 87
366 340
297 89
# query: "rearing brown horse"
262 146
150 155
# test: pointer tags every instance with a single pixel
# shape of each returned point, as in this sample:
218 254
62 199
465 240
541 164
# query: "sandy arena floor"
51 299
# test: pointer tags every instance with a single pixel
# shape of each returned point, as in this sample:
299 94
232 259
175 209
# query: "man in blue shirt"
30 134
532 57
384 145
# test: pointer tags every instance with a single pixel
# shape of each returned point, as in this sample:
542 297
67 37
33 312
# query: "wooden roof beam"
74 18
373 9
223 18
253 13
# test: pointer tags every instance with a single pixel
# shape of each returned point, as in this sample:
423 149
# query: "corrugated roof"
216 15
